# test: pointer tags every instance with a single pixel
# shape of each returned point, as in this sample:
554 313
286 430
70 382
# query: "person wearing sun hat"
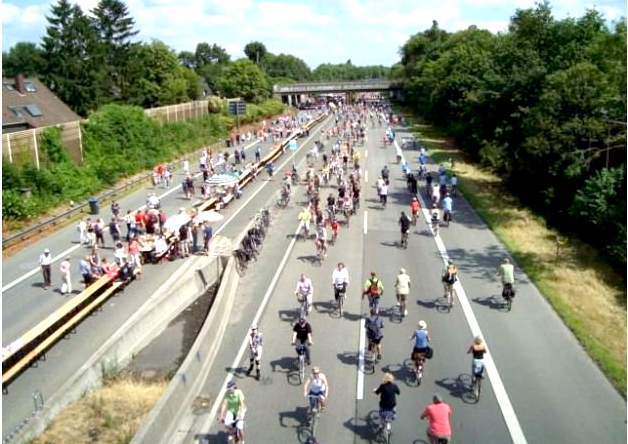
232 412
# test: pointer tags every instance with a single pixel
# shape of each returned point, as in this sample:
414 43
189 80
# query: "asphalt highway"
541 386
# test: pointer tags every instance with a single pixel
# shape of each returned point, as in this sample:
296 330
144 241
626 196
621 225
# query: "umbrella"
174 222
209 216
222 179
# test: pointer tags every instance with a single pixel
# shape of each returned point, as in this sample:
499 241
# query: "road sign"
237 107
293 144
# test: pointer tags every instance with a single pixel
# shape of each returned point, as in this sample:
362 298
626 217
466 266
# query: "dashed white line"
366 221
362 346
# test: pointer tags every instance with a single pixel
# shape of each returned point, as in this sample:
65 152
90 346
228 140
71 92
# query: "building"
28 104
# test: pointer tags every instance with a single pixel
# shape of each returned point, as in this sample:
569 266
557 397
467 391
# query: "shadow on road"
455 386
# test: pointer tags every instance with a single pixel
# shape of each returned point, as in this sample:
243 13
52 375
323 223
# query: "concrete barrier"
165 417
185 285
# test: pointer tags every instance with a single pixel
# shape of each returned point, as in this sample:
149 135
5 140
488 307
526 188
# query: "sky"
317 31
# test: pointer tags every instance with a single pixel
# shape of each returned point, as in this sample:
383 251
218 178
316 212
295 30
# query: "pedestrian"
186 166
115 209
243 155
258 153
64 268
82 229
195 230
207 235
129 220
45 261
236 154
85 270
114 230
99 228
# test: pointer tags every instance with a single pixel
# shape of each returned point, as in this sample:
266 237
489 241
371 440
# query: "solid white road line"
508 412
366 176
362 346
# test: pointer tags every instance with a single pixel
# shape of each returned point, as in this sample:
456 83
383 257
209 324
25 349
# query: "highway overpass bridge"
294 93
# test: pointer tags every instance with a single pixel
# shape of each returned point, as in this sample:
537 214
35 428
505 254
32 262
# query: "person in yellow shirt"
305 216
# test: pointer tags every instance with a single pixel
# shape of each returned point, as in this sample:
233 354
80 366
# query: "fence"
21 146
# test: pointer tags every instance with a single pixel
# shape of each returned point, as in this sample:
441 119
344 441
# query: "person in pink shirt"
438 413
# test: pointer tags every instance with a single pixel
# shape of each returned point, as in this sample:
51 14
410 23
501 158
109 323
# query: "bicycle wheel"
301 368
478 387
341 303
419 374
509 304
388 432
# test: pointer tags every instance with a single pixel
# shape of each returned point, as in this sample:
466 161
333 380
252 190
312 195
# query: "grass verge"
572 275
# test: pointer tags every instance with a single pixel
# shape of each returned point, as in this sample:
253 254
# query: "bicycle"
300 348
304 232
435 226
321 251
450 294
313 414
419 363
476 381
447 217
508 294
342 290
303 306
414 218
404 240
384 434
370 360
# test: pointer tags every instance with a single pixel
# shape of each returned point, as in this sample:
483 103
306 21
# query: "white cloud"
9 13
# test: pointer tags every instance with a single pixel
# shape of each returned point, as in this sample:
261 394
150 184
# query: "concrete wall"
190 281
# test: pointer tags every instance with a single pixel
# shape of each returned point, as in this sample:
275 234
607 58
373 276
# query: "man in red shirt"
415 206
438 413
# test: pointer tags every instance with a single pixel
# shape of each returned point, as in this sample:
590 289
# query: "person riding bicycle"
302 332
374 288
374 326
449 278
453 182
385 173
415 206
331 204
304 291
477 349
232 412
335 226
304 220
321 239
448 204
315 387
404 223
340 281
255 340
439 414
387 392
402 288
507 273
435 216
421 338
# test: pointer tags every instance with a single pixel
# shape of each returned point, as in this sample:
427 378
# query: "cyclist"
331 205
383 194
321 239
374 288
334 227
374 326
439 414
449 278
304 220
302 331
477 349
340 280
507 273
316 387
453 181
305 290
255 351
232 412
404 223
421 338
387 392
415 206
402 288
435 217
385 173
448 204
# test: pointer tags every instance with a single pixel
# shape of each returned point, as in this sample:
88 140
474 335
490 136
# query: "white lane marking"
366 154
360 388
366 221
218 400
508 412
366 177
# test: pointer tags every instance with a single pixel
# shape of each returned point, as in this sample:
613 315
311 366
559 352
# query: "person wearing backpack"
374 288
449 278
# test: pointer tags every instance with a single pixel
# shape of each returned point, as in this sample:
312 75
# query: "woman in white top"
316 386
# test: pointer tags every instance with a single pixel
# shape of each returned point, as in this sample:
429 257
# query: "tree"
115 29
187 59
245 79
284 65
74 59
255 51
207 54
24 58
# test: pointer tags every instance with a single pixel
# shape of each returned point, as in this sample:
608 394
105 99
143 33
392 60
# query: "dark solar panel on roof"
33 110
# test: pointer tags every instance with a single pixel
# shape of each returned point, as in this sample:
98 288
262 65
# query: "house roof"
36 107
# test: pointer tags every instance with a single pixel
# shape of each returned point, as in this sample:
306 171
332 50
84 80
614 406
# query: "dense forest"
543 105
